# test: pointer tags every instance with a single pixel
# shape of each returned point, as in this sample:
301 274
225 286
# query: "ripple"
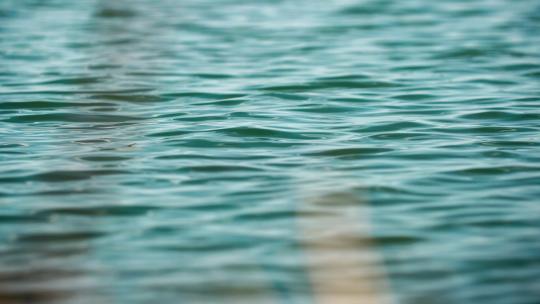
130 98
497 170
75 80
220 168
331 84
349 152
324 109
501 115
115 13
485 130
61 176
70 117
204 95
393 126
269 151
369 8
15 218
59 237
400 135
413 97
30 105
99 211
168 133
74 92
464 53
396 240
261 133
511 143
104 158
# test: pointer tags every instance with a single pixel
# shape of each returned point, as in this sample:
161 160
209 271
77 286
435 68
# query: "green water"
173 151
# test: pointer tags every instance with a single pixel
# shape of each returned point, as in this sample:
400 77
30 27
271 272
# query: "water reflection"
50 261
341 261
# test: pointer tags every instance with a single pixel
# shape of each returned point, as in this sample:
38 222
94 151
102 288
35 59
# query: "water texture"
231 151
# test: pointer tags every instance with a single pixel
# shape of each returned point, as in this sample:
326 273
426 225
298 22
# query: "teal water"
201 151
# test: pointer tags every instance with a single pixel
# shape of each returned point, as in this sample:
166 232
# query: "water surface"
210 151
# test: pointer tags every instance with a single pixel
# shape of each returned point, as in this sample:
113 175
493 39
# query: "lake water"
293 151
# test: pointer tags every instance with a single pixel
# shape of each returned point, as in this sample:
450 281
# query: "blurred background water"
201 151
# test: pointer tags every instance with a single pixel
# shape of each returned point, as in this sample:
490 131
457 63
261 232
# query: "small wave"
61 176
501 116
71 117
